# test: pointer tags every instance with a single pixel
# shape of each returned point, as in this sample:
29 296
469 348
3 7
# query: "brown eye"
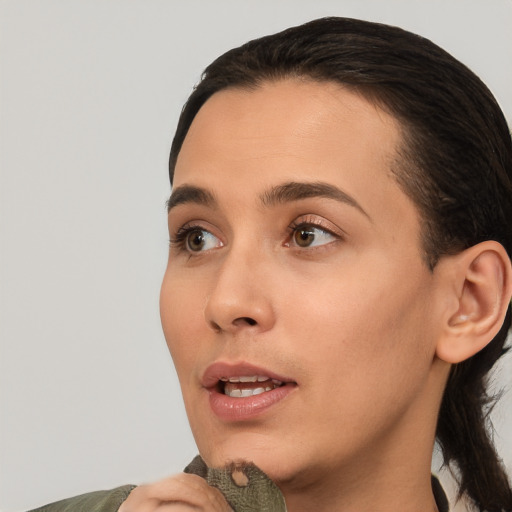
195 240
309 235
304 237
199 240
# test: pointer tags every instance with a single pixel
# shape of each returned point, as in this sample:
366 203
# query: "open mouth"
247 385
243 391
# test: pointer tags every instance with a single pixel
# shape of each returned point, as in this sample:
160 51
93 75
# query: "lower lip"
239 409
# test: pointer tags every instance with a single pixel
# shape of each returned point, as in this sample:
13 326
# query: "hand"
180 493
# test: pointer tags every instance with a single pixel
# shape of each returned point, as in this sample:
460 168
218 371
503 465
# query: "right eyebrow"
190 194
296 191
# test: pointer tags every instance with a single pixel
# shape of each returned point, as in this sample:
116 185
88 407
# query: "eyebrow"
190 194
285 193
295 191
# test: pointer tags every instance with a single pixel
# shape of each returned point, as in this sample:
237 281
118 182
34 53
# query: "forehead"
294 130
290 117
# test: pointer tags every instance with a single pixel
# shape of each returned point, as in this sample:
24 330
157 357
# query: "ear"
481 287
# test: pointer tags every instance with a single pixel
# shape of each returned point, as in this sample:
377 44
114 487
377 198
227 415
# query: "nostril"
216 327
237 323
247 320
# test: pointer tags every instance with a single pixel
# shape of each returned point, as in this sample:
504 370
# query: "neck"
371 492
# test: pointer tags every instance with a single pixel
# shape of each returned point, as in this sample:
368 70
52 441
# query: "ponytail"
464 430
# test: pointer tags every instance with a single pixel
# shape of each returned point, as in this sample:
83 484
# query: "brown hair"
455 163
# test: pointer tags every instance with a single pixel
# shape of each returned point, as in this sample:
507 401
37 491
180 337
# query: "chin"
272 458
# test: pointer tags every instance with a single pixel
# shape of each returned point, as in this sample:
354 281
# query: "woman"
339 276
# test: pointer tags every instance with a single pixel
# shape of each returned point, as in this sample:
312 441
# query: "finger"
190 489
185 491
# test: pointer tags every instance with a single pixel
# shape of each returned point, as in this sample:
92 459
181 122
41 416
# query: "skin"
180 493
353 319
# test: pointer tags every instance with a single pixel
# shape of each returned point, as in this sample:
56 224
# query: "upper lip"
224 369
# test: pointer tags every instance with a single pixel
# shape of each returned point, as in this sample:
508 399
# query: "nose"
240 299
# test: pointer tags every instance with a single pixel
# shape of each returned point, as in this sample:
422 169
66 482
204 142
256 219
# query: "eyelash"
180 239
311 222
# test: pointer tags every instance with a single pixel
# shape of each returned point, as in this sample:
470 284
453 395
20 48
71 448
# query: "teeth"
249 378
243 386
243 393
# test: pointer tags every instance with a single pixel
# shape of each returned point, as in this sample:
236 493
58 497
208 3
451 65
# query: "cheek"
182 318
372 330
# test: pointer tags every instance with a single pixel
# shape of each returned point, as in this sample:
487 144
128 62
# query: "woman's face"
296 304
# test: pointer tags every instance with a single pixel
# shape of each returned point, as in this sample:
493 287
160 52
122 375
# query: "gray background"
89 96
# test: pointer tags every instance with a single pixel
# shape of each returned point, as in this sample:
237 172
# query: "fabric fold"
259 494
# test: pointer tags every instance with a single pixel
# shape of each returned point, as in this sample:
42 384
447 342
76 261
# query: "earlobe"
483 287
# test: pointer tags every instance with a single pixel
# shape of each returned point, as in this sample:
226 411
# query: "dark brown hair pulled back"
455 163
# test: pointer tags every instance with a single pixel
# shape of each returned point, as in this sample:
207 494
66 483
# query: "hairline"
400 166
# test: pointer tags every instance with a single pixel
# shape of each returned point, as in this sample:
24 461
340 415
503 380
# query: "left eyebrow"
295 191
190 194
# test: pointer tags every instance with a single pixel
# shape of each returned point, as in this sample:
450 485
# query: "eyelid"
179 239
318 222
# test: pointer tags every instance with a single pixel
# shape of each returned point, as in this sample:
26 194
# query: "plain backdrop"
90 91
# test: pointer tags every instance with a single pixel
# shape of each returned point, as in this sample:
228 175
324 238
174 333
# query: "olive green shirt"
99 501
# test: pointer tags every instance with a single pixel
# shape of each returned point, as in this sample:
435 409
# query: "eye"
196 239
201 240
309 235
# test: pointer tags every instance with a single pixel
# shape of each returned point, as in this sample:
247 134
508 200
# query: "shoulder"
99 501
